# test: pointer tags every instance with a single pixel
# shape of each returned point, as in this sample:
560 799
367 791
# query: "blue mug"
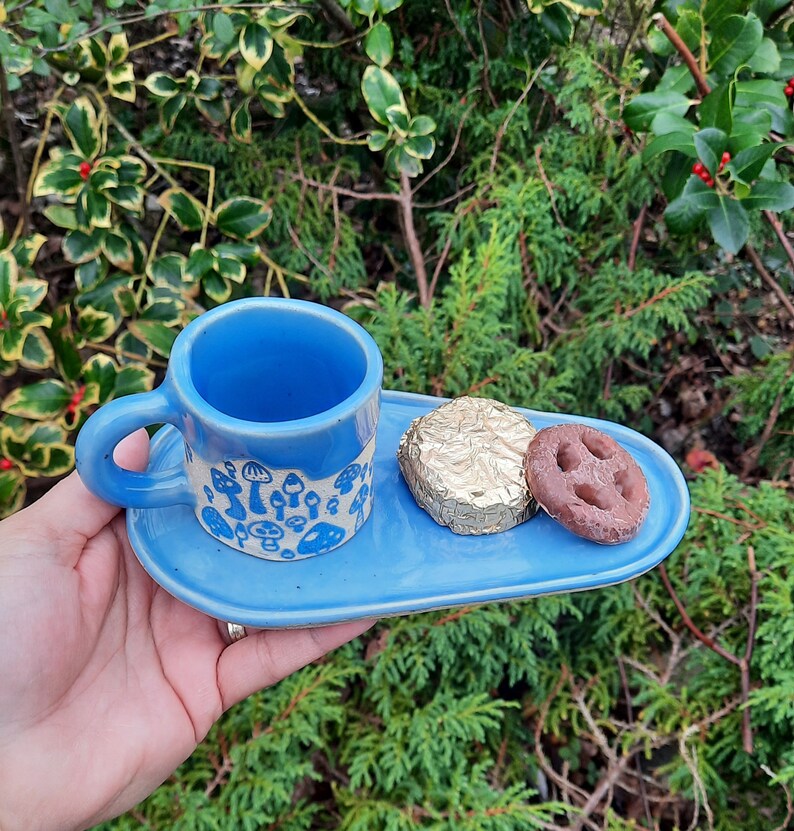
278 402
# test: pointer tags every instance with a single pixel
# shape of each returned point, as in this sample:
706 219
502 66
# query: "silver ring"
232 632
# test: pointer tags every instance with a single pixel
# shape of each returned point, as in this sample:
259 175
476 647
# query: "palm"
111 681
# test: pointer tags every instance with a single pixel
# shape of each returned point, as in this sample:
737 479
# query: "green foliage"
740 98
266 162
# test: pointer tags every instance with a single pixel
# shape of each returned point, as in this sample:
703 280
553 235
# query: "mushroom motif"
287 554
358 505
231 469
293 487
311 501
209 494
344 482
278 502
216 523
364 471
241 532
268 532
320 538
257 475
332 506
227 486
297 523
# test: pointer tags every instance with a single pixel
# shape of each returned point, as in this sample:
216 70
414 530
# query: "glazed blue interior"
262 366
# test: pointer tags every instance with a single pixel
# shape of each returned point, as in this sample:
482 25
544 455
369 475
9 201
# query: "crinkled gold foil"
464 464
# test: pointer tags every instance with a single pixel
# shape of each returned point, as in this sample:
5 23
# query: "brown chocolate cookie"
587 482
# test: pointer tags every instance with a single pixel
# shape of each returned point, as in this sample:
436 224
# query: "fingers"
70 508
262 659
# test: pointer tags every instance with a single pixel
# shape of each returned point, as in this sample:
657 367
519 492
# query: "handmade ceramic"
277 403
401 561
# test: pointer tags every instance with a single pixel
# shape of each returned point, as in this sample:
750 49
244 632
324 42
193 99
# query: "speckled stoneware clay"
279 514
464 464
587 482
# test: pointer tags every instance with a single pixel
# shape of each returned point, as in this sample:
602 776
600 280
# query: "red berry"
726 157
85 169
71 408
789 91
6 464
704 174
791 82
709 182
697 168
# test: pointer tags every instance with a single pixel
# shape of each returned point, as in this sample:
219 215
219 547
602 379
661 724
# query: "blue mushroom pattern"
282 514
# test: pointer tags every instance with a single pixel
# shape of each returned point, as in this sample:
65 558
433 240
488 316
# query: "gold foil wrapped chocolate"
464 464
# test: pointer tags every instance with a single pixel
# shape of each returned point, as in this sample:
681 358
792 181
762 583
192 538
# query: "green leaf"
677 78
256 45
82 126
59 177
79 247
9 278
121 82
242 217
365 7
129 349
683 142
26 249
89 275
162 85
716 109
198 264
62 216
241 122
168 270
765 59
381 91
398 118
37 352
157 336
216 287
118 249
39 401
215 111
96 325
387 6
557 23
131 379
230 268
750 128
377 140
588 8
765 94
668 123
420 147
170 111
379 44
710 145
422 125
223 27
12 492
746 166
118 47
729 224
640 111
186 210
770 196
733 42
684 213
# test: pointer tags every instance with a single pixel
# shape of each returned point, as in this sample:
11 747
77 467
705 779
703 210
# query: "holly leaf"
184 208
242 217
710 145
729 224
39 401
640 111
770 196
381 91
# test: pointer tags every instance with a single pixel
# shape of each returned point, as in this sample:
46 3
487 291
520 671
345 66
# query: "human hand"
108 683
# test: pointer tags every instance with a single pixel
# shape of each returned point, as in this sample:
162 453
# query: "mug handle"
99 437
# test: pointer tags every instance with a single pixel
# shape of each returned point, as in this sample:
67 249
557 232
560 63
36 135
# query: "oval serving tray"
402 561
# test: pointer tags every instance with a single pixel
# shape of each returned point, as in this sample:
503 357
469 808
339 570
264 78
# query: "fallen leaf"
699 459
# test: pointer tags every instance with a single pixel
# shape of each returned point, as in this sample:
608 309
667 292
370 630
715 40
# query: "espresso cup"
278 402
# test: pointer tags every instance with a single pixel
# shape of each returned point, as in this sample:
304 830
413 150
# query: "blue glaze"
292 384
401 561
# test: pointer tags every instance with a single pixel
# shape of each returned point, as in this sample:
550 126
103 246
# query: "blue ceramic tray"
401 561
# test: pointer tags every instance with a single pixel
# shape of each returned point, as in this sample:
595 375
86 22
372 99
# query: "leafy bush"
471 182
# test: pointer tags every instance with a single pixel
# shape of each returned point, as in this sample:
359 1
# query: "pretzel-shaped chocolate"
587 482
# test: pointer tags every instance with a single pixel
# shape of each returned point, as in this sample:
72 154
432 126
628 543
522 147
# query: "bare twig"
777 226
758 265
683 50
337 14
630 712
635 239
456 141
412 241
500 133
789 804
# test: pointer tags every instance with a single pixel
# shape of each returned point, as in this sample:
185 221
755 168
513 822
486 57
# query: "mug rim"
179 374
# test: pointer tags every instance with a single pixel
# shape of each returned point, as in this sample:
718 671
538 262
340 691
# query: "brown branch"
9 116
456 141
755 259
747 730
364 196
630 713
550 190
336 13
692 626
683 50
635 240
412 241
777 226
